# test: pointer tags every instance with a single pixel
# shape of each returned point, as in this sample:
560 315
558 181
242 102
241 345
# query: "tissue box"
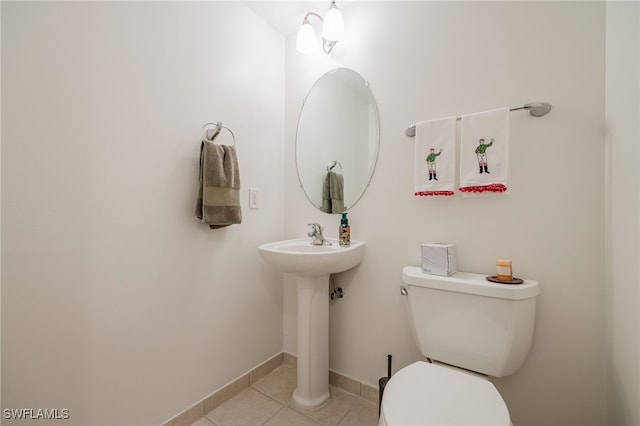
439 259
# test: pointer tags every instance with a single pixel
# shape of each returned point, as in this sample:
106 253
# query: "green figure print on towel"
481 153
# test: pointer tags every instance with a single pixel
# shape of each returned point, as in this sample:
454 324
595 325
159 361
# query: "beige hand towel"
219 191
333 193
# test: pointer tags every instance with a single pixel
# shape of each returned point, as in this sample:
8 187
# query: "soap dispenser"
345 231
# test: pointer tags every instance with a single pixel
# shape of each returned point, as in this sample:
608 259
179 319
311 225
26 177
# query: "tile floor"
268 402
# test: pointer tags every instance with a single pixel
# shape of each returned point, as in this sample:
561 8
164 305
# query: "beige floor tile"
269 402
279 384
288 417
248 408
364 413
187 417
203 422
333 410
226 393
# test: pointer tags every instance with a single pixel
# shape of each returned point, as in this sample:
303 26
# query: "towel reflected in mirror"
333 193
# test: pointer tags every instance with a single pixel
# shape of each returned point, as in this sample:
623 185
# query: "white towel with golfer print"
435 157
484 152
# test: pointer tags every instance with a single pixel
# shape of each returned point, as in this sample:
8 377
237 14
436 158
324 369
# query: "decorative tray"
494 279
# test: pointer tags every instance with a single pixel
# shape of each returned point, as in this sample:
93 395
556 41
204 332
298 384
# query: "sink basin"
300 257
312 266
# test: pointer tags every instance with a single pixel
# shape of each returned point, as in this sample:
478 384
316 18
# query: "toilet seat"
429 394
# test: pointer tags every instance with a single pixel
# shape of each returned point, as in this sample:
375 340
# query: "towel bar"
217 128
536 109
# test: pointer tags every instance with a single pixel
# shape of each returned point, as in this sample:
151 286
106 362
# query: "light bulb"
306 39
333 25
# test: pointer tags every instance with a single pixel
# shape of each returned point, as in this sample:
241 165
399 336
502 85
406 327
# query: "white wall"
434 59
0 198
623 213
117 304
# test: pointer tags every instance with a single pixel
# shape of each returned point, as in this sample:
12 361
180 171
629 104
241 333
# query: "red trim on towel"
427 193
494 187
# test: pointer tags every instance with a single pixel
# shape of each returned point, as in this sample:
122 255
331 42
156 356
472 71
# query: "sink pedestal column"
313 340
311 266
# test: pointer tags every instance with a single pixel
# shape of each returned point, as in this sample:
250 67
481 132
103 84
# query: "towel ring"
217 128
331 165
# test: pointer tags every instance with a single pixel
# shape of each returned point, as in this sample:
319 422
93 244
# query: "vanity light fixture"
332 31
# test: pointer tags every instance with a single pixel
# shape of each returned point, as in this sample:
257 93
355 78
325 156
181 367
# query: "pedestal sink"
312 266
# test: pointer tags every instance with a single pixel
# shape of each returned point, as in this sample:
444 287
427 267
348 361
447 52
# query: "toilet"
468 328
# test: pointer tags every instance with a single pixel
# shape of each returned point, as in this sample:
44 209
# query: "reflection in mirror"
337 140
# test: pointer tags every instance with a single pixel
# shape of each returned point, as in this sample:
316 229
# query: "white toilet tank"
467 321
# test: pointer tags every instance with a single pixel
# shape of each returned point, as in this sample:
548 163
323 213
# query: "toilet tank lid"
465 282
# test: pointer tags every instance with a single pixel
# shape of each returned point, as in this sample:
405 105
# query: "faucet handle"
315 227
316 235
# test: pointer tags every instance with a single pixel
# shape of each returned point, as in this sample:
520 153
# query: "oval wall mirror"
337 140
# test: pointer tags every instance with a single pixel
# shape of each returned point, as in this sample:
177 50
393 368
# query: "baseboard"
344 382
225 393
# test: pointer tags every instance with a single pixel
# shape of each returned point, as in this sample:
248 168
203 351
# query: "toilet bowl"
430 394
472 329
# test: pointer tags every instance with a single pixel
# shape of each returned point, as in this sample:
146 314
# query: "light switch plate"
254 198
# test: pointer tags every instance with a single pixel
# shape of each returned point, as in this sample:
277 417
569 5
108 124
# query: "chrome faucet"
317 239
